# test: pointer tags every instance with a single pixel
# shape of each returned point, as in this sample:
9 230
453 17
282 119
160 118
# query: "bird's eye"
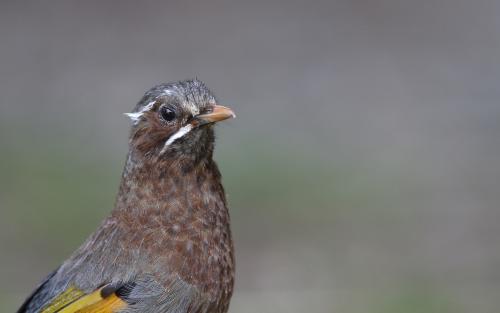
167 114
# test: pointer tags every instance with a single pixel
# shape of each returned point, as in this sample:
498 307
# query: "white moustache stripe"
181 132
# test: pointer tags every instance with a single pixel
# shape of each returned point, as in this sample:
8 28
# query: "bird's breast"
180 226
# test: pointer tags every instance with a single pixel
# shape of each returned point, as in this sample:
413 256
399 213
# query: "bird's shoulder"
141 294
109 261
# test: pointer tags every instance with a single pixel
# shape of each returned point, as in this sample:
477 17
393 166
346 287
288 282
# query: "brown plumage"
166 247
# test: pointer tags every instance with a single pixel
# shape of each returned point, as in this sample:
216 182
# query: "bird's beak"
219 113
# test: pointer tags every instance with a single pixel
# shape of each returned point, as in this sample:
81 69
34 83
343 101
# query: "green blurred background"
362 172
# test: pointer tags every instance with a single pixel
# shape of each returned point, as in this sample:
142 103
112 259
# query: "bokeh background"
363 170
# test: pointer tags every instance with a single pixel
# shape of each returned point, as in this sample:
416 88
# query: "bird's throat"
170 187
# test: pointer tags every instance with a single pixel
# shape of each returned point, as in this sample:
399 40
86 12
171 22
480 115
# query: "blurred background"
363 170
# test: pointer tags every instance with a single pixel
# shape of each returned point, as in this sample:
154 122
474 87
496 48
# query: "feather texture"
166 247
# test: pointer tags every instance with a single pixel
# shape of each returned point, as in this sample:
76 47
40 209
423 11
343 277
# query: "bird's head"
176 120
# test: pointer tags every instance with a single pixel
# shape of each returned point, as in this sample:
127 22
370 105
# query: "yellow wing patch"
109 305
68 296
74 300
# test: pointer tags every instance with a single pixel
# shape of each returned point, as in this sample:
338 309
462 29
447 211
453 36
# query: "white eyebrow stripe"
181 132
135 116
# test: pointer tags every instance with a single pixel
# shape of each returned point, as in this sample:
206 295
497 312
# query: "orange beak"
219 113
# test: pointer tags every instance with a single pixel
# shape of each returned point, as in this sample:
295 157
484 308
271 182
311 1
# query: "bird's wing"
107 299
142 295
103 300
39 293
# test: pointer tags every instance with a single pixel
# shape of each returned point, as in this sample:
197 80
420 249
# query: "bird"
166 246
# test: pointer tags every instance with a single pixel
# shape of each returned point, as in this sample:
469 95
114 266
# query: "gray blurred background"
363 170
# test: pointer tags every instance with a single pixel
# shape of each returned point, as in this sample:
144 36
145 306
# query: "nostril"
206 110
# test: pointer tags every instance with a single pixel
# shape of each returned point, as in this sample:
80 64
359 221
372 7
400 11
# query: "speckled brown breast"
177 217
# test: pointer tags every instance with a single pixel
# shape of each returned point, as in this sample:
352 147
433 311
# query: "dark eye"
167 114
